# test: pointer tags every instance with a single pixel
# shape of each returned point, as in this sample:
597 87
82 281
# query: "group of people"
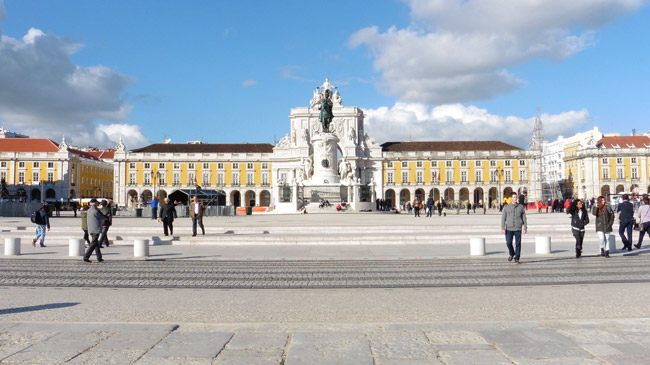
96 218
513 223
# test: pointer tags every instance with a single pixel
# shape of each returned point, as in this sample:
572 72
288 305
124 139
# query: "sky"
230 71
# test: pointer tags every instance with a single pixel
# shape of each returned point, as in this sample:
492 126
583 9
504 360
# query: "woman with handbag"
644 220
579 219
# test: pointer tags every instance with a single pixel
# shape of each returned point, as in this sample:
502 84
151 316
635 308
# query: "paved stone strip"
323 274
565 342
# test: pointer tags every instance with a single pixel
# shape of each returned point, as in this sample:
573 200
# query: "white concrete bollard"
477 246
611 245
12 246
76 247
543 245
141 248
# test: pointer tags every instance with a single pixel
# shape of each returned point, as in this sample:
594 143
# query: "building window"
21 164
206 166
522 175
493 163
633 160
508 176
283 178
522 162
147 165
161 165
479 176
450 177
131 166
477 163
604 160
206 179
405 177
463 163
132 179
3 164
235 179
35 177
36 164
463 176
177 178
265 166
493 176
161 179
190 166
434 176
448 163
389 164
265 179
619 174
147 178
619 160
235 166
191 179
250 179
405 164
634 173
249 166
177 165
507 162
389 178
418 164
419 177
220 179
50 165
605 174
220 165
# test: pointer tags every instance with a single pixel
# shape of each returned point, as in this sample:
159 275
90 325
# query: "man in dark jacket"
42 223
95 219
196 212
625 215
513 220
105 210
167 215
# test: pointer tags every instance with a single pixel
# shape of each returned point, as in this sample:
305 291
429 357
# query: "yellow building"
37 169
455 171
241 172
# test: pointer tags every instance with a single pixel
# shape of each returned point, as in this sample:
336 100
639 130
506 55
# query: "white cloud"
44 94
249 83
131 135
419 122
459 50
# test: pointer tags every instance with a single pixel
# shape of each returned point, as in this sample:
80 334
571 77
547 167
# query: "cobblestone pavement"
566 342
324 274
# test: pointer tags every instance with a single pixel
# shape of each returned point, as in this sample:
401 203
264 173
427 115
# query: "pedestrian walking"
167 214
105 209
513 220
644 220
196 212
429 205
579 219
469 206
74 209
84 224
42 221
604 222
95 220
625 218
154 208
416 207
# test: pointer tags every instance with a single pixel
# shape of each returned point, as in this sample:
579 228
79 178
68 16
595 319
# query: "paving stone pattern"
324 273
565 342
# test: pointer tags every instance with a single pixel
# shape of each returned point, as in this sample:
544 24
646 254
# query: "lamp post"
499 175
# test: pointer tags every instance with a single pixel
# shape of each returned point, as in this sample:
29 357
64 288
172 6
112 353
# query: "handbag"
636 226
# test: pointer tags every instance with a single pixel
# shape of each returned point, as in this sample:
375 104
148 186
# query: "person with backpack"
105 210
604 222
42 222
84 224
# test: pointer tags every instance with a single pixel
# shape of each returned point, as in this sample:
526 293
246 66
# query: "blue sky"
230 71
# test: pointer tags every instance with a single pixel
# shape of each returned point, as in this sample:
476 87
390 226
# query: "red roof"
28 145
448 146
103 155
624 142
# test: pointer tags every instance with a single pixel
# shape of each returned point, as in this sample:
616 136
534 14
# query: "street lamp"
499 175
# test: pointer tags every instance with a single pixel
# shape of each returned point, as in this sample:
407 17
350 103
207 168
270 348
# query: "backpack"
36 217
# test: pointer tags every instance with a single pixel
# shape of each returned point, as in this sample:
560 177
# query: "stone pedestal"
543 245
141 248
12 246
325 163
477 246
76 247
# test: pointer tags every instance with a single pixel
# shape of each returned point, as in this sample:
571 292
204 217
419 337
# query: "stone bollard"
76 247
12 246
477 246
611 245
141 248
543 245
